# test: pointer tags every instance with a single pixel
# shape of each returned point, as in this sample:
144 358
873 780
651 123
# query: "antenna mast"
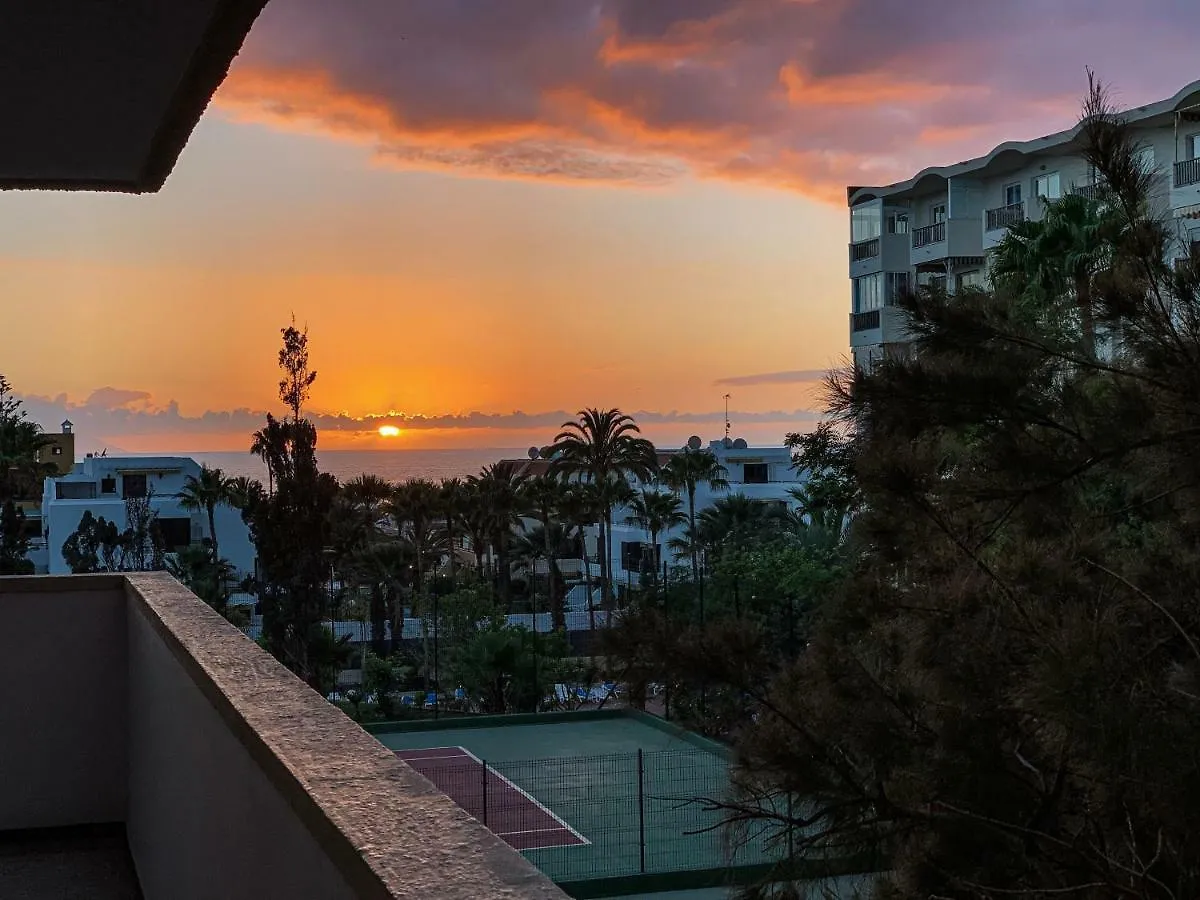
727 418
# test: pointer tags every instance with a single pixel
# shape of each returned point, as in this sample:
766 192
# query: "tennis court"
588 798
508 810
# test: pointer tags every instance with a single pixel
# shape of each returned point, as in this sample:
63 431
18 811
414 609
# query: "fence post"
791 846
642 808
483 766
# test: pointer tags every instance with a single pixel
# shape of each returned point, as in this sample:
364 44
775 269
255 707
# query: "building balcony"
930 234
864 250
1090 191
878 326
1003 216
955 237
888 252
1187 173
151 750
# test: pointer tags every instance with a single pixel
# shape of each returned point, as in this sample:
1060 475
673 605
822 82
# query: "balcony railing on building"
1005 216
1187 172
1090 191
930 234
861 250
864 321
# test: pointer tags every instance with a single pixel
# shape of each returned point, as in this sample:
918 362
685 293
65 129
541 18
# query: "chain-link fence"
586 817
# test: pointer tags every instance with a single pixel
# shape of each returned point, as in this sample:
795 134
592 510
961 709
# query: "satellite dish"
547 451
694 442
533 452
727 442
740 444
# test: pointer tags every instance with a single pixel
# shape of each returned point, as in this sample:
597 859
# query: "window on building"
176 533
897 287
635 554
75 490
56 451
897 223
937 214
1193 146
756 473
868 292
865 222
133 485
1012 194
1047 186
108 485
972 279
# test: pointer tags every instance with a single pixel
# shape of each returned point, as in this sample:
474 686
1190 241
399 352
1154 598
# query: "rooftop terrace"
155 749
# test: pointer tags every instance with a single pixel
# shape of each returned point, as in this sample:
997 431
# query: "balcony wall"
130 702
960 237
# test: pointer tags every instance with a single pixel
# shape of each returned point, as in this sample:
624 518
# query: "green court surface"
639 814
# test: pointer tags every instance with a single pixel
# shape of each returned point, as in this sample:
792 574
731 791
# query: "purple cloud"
802 94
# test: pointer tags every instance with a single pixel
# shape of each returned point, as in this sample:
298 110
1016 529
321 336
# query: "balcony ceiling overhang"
102 95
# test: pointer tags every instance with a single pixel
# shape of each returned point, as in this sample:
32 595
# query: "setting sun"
389 431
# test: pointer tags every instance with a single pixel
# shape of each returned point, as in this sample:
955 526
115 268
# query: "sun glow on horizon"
389 431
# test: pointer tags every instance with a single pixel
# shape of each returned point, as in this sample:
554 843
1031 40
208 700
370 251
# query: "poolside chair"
562 695
407 700
431 700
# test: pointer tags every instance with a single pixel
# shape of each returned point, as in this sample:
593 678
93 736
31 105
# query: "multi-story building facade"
939 226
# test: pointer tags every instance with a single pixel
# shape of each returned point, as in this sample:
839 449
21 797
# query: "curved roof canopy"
1012 153
103 95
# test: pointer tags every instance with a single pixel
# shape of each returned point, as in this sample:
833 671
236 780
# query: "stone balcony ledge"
231 777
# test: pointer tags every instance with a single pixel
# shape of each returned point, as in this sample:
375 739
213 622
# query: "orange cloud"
806 95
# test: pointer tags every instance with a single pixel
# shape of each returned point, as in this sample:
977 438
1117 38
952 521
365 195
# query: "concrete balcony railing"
1187 172
137 717
1003 216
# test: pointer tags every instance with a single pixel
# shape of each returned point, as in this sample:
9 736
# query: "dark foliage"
1003 693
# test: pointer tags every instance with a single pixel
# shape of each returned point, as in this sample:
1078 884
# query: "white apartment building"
760 473
939 225
101 484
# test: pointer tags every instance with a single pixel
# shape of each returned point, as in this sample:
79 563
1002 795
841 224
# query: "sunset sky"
492 213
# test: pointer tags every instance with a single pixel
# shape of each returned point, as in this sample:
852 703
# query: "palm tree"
475 521
686 470
655 512
1058 256
260 447
414 505
542 496
580 507
452 497
601 446
549 543
242 491
206 493
499 493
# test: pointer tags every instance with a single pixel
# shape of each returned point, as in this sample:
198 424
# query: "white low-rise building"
101 485
764 474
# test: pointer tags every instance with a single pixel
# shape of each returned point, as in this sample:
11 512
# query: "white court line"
526 831
427 758
524 793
